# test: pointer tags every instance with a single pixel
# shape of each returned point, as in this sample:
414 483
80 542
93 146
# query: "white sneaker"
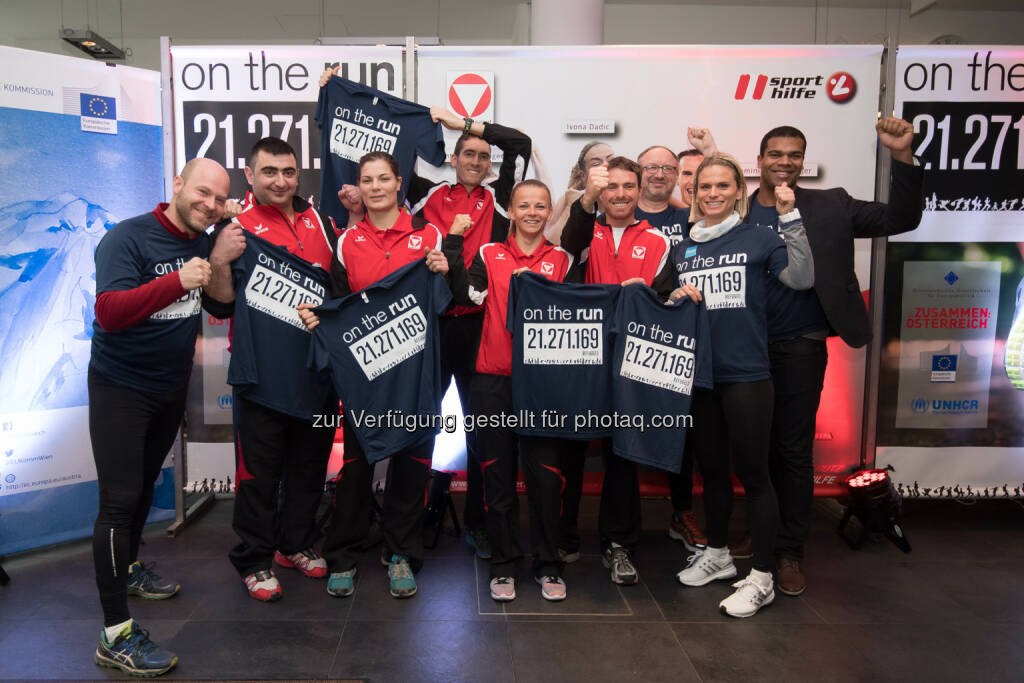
704 567
749 597
503 588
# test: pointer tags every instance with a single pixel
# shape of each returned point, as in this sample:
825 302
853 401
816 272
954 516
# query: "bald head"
199 195
207 166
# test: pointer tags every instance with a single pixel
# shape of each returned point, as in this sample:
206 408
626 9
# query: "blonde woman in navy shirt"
727 264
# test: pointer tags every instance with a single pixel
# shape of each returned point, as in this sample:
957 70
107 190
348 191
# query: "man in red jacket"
620 250
271 445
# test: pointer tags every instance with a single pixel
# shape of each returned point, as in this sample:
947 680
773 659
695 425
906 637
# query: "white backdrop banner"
80 150
631 97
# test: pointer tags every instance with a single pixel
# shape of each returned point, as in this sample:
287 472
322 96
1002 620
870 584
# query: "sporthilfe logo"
547 268
839 87
415 241
639 252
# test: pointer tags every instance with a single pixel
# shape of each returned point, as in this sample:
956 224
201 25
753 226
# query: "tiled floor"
952 610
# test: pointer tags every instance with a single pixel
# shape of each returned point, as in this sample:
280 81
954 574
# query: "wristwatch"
469 124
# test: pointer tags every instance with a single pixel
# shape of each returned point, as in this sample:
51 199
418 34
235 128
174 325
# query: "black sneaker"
134 653
144 582
616 558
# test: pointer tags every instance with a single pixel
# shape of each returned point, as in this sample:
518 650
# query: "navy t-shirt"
561 352
661 354
381 344
270 344
791 313
672 222
155 355
731 272
356 119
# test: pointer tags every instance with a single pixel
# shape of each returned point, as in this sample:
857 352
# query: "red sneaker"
307 561
263 585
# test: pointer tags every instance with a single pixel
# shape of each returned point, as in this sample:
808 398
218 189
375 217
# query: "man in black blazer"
800 322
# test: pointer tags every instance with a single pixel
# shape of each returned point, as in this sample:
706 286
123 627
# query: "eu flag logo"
98 106
944 363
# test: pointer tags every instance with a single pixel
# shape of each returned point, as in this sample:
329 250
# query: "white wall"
34 24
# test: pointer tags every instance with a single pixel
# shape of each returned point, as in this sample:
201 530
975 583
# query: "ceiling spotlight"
92 44
876 503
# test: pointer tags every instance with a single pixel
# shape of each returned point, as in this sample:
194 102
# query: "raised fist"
350 198
701 140
195 274
597 181
785 199
461 224
897 135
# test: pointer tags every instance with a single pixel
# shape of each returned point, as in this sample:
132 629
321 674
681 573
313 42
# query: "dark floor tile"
63 649
939 652
248 649
57 589
990 591
593 652
753 650
889 593
412 650
446 591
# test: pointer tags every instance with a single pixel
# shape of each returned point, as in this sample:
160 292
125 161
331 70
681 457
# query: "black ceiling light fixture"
89 41
92 44
876 503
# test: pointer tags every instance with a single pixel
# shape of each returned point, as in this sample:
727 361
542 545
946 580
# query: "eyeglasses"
666 169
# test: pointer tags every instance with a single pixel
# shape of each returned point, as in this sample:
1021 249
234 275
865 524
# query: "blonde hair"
529 182
729 162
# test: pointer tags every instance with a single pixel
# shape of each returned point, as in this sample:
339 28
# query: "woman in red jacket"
487 282
371 249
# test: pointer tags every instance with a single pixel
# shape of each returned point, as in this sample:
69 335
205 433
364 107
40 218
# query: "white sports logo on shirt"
415 242
547 268
639 252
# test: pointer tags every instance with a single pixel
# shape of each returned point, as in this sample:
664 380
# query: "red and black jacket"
486 284
311 236
366 253
487 204
642 252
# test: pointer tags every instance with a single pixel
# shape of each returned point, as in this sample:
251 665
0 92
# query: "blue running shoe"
342 584
402 582
1013 354
480 542
144 582
134 653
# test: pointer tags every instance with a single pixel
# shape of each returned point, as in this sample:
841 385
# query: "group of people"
620 222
